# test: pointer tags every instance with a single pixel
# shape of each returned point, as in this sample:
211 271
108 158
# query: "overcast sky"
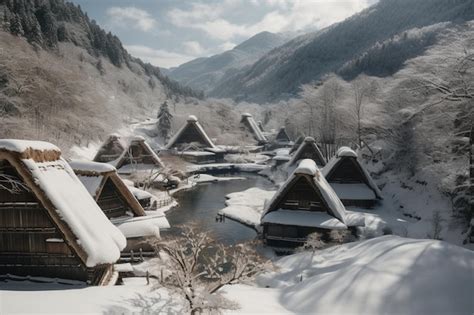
168 33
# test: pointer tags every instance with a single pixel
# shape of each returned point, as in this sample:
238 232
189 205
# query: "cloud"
226 46
158 57
280 16
131 17
194 48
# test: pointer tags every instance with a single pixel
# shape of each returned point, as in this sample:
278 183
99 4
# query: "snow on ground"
385 275
247 206
205 178
25 297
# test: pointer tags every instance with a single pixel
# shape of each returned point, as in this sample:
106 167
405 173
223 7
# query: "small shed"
249 125
308 149
351 181
119 204
50 226
304 204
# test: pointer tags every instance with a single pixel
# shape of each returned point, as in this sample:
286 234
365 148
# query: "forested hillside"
281 72
64 79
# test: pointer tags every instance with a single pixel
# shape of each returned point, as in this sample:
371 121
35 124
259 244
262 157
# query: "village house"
304 204
308 149
250 127
350 180
50 226
193 144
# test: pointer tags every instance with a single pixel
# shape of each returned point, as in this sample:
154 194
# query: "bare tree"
199 267
363 89
11 183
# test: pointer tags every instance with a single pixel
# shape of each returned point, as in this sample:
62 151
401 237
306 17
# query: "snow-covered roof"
309 167
346 152
139 227
357 191
191 120
197 153
308 141
259 136
304 218
137 140
70 202
93 176
20 146
91 167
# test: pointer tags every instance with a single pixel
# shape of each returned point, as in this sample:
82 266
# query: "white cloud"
281 16
131 17
158 57
226 46
194 48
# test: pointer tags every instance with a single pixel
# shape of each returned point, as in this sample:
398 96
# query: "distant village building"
308 149
50 226
350 180
193 144
304 204
249 125
119 204
128 154
111 149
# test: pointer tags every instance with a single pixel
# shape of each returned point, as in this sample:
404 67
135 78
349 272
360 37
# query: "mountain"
64 79
280 73
205 73
49 22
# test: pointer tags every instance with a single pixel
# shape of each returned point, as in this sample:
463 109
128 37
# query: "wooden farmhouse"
111 150
193 144
304 204
128 154
282 136
350 180
119 204
50 226
308 149
249 126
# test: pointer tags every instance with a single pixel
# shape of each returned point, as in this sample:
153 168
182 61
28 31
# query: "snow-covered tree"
164 121
199 266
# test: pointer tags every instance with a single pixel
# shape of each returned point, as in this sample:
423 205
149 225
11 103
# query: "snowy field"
385 275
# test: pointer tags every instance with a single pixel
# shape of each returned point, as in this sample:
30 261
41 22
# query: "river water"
201 204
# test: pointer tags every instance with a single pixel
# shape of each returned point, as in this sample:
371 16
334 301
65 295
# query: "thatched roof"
94 175
85 228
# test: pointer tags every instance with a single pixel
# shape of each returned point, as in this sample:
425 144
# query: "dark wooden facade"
111 201
111 150
309 150
138 152
31 241
300 194
282 136
348 171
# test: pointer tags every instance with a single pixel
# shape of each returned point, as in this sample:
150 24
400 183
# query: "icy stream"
202 203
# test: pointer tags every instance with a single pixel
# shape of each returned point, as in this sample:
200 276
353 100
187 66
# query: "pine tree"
15 26
164 121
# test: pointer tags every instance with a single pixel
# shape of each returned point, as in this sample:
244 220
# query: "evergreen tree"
164 121
15 26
